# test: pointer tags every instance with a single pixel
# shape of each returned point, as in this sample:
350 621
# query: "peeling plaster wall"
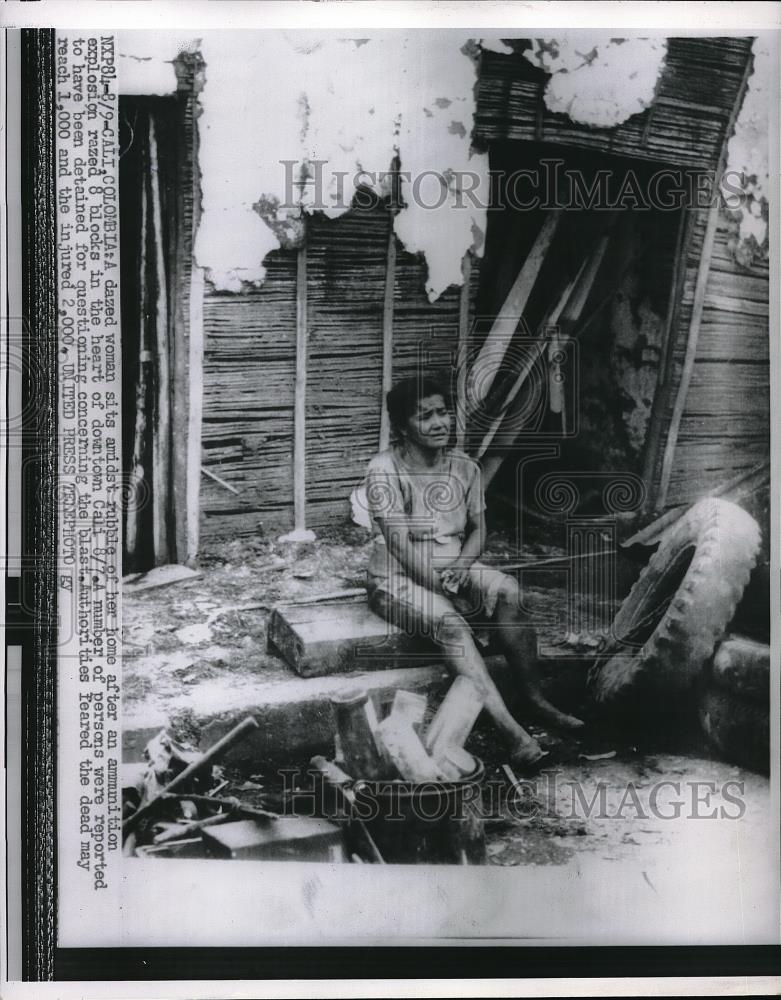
353 102
599 81
747 154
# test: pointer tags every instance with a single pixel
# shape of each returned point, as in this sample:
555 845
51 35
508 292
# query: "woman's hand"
454 577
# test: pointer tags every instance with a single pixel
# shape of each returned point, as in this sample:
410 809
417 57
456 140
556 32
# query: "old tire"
737 729
741 666
681 604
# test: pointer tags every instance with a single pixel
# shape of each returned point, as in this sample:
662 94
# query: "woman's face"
429 425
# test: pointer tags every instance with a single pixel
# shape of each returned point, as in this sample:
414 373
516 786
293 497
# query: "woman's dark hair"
402 401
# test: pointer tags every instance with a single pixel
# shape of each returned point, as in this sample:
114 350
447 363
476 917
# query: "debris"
410 705
455 717
174 831
194 634
219 612
597 756
299 838
405 749
193 770
298 535
455 763
160 576
339 782
356 722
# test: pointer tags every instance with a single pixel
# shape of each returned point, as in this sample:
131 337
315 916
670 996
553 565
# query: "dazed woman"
428 517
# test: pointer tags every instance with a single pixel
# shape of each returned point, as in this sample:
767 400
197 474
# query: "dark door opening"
148 171
592 400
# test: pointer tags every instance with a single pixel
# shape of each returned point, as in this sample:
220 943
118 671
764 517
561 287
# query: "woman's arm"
384 496
458 572
395 531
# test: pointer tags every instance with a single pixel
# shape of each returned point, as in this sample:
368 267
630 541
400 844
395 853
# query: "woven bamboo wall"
685 125
249 370
725 428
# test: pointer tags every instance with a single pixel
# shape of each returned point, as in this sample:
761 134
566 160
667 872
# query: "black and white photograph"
412 440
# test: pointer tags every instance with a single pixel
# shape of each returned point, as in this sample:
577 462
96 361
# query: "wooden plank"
161 425
194 445
491 355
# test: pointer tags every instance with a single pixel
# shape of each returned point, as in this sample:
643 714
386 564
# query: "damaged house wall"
438 101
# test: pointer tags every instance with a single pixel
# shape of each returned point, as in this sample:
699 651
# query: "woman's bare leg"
463 657
519 645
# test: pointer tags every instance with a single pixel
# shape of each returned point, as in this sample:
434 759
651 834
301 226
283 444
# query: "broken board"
342 635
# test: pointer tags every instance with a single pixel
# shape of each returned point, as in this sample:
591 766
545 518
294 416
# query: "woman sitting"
428 517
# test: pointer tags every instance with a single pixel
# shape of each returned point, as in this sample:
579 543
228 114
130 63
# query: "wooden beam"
491 355
192 513
299 442
462 357
387 333
187 282
161 423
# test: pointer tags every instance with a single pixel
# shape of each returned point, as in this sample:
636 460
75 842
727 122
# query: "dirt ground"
215 627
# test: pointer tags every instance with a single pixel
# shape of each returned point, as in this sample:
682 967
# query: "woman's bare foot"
527 756
546 712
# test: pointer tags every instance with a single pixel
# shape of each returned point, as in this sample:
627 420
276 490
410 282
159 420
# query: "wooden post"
462 357
192 514
187 286
299 443
387 332
300 533
161 426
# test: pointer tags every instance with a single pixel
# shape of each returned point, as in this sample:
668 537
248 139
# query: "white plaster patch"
596 81
745 183
332 107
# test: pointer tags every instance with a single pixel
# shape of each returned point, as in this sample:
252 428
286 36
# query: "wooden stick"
462 357
491 355
299 443
216 478
211 756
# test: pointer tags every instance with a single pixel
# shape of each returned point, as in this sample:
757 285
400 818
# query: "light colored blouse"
434 504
